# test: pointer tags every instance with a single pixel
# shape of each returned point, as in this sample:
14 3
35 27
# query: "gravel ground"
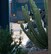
39 52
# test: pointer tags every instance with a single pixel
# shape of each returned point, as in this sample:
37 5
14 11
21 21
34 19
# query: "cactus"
40 39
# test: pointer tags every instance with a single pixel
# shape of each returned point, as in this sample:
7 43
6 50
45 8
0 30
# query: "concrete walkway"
16 33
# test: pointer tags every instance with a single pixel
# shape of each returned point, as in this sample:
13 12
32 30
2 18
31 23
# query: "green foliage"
40 39
5 41
21 51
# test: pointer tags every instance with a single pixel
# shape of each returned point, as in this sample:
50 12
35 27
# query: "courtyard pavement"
16 33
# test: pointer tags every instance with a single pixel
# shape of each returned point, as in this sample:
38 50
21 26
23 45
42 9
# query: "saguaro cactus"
39 38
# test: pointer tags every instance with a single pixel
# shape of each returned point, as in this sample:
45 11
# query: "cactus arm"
41 39
37 36
33 38
25 14
37 18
